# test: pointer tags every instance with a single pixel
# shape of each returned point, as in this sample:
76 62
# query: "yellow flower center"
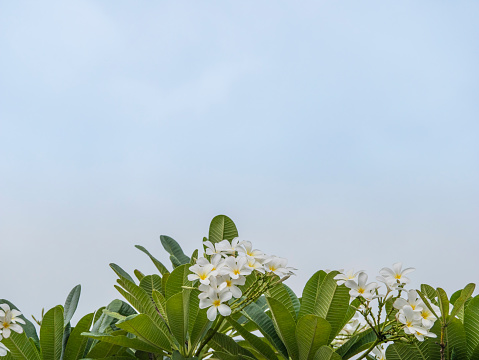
236 272
408 323
203 276
217 302
361 290
273 268
398 276
413 306
228 283
6 325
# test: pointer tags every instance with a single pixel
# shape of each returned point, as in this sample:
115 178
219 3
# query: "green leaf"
311 293
265 325
144 304
20 347
177 317
105 321
51 333
146 330
225 356
222 228
323 297
471 325
77 343
66 334
71 303
198 323
164 280
174 249
194 257
456 338
125 341
121 273
139 275
177 279
403 352
429 292
177 356
258 344
224 343
461 300
356 344
160 303
312 332
161 268
102 350
326 353
150 283
280 292
285 326
443 304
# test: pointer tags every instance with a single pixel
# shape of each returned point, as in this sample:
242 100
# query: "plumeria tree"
186 313
58 339
417 323
229 300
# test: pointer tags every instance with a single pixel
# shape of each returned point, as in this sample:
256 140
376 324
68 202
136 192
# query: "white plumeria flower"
231 285
342 277
427 316
215 302
246 248
6 324
412 323
354 322
361 288
229 247
277 265
211 248
235 267
396 274
3 349
412 300
216 260
202 273
254 264
379 353
213 286
14 314
390 285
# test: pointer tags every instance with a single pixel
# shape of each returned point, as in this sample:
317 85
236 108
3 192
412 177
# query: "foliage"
228 301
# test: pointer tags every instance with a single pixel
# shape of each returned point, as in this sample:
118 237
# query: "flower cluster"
224 269
413 316
9 321
417 318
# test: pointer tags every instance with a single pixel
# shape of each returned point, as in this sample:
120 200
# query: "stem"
213 332
443 344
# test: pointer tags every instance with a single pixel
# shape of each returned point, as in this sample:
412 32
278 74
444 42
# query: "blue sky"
338 134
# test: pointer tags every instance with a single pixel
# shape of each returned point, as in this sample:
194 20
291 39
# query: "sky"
337 134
